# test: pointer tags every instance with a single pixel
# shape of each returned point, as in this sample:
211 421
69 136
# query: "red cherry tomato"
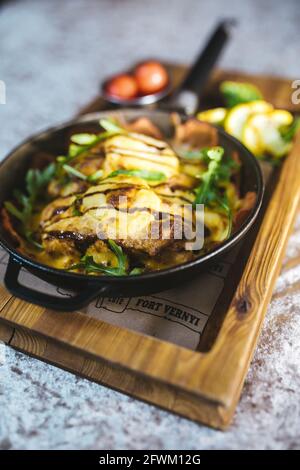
151 77
122 86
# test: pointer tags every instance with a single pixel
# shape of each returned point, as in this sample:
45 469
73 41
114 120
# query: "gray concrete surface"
52 56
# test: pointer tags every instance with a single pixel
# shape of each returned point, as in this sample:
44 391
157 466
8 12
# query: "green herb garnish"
200 155
226 166
121 256
35 180
82 142
203 192
111 126
209 192
95 176
76 212
136 271
73 172
88 264
144 174
84 139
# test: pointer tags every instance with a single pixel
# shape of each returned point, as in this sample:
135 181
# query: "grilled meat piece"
58 209
125 209
194 133
143 125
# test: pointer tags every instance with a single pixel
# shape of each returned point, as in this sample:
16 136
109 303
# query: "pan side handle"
67 304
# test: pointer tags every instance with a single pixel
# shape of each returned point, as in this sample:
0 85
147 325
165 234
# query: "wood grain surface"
203 386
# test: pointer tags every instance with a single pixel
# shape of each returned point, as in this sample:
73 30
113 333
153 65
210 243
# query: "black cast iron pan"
12 172
87 287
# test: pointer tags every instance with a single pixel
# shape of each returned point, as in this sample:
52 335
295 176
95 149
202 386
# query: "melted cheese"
131 154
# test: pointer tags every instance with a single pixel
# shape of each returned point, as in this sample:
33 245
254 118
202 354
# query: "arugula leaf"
76 212
136 271
145 174
111 126
196 154
226 168
84 139
95 176
208 192
29 237
75 150
238 92
11 208
203 155
35 180
72 171
90 266
215 153
203 191
122 258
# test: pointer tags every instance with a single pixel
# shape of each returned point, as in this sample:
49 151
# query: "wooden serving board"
203 384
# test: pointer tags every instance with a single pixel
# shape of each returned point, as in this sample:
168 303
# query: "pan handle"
186 97
68 304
